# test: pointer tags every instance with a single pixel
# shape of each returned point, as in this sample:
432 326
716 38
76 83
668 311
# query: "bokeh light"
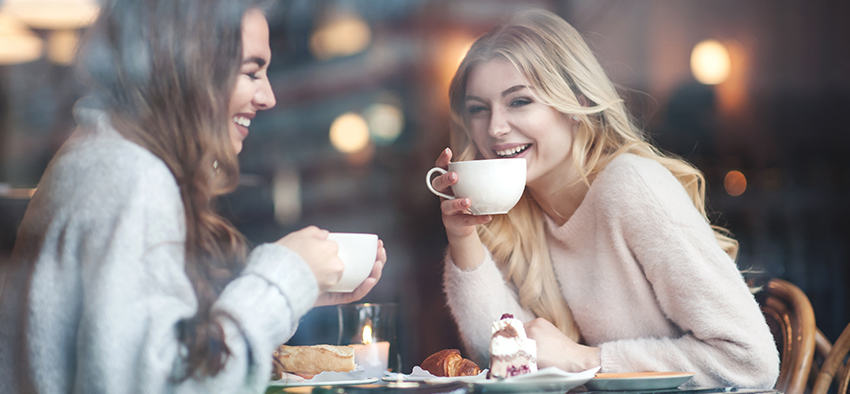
54 14
452 50
710 62
286 195
17 43
349 133
385 122
62 46
735 183
340 35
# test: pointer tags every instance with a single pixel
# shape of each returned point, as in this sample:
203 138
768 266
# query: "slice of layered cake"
512 353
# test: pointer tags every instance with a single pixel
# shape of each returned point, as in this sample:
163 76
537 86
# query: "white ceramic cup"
493 186
358 252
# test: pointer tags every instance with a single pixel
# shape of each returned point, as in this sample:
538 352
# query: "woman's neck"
559 197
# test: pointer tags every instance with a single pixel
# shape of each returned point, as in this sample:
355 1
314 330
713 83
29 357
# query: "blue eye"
518 102
475 109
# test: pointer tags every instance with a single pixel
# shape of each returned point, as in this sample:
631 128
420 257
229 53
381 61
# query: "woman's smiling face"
252 92
507 120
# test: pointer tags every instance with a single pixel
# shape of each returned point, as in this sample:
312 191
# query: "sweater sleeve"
136 293
476 298
724 337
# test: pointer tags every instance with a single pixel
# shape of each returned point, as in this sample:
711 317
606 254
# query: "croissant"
448 362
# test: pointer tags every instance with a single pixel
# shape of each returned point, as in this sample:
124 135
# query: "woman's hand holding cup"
320 253
333 298
457 219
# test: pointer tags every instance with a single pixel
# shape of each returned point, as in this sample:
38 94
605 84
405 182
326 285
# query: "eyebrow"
512 89
505 93
260 61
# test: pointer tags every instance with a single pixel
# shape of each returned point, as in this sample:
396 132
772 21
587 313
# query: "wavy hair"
562 71
164 70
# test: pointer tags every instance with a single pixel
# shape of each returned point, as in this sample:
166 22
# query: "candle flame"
367 334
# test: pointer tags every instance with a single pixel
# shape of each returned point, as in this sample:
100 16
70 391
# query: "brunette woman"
124 277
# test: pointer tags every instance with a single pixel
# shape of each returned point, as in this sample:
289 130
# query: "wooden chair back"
791 319
835 366
822 348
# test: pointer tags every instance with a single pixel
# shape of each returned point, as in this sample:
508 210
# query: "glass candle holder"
371 330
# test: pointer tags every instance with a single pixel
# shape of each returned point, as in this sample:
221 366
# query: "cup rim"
479 161
351 234
367 304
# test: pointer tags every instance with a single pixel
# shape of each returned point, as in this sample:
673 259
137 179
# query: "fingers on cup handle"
437 181
444 181
444 159
454 207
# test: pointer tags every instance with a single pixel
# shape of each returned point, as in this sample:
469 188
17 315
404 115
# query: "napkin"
418 374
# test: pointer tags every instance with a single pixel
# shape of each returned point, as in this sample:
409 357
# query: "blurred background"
752 92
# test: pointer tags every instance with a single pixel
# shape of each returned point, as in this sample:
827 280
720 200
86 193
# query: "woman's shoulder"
98 161
628 170
630 181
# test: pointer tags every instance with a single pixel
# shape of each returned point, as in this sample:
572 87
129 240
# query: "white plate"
638 381
435 379
293 383
547 380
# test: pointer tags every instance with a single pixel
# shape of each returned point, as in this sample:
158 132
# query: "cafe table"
469 388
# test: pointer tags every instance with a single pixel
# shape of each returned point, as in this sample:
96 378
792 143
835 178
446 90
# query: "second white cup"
493 186
358 252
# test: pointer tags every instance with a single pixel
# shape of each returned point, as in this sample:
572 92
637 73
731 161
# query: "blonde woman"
608 257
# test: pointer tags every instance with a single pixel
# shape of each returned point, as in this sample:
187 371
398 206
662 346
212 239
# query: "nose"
498 123
264 98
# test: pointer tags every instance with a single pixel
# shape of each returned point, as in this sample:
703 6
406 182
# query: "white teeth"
513 151
242 121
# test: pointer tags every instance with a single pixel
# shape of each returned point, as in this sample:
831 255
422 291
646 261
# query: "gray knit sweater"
97 286
645 280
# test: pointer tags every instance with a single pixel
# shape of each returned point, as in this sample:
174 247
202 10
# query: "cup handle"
431 188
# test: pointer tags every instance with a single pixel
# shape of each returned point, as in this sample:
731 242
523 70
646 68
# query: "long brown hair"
164 70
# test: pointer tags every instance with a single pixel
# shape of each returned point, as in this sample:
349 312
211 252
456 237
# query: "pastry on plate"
308 361
449 363
512 352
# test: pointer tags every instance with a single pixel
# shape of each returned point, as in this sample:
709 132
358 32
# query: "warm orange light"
710 62
340 35
62 46
452 51
17 43
735 183
732 94
367 334
54 14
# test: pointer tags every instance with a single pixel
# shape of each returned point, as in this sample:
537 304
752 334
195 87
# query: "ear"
583 100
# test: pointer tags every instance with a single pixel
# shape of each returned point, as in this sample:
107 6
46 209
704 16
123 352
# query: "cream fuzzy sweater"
646 282
93 300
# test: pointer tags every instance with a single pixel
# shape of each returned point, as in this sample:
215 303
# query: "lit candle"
372 356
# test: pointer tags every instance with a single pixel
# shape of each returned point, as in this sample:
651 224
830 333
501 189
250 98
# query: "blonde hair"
564 74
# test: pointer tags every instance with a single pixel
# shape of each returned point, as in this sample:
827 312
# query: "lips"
242 123
511 151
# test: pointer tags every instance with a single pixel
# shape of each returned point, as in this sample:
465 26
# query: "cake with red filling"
512 353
